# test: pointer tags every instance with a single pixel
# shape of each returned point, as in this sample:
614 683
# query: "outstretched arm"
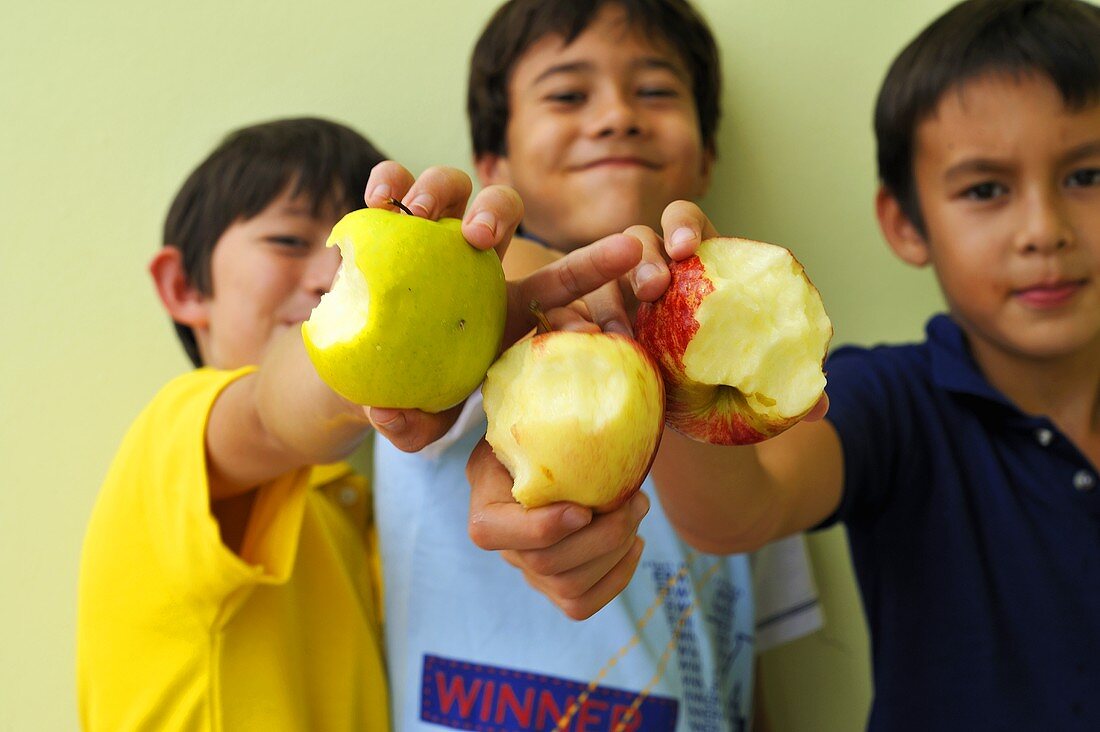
735 499
724 499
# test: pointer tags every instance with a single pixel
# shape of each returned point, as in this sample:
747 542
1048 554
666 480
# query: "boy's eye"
566 97
290 242
1083 178
984 191
657 92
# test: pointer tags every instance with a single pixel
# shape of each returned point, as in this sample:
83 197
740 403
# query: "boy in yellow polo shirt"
227 580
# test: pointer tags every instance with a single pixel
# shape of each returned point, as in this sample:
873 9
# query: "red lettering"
618 713
521 713
586 716
456 690
487 701
546 703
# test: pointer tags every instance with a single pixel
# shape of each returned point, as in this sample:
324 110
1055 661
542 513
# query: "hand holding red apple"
781 335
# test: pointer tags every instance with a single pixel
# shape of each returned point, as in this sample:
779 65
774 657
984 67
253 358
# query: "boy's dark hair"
518 24
327 162
1058 39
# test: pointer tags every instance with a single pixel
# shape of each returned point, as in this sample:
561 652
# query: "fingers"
387 180
597 546
574 317
498 522
651 277
685 226
436 193
607 308
411 430
493 217
569 278
580 604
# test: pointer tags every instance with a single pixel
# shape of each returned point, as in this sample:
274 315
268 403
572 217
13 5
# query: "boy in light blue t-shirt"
599 115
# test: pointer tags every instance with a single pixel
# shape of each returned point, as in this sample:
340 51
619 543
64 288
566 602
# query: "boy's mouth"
1049 295
618 161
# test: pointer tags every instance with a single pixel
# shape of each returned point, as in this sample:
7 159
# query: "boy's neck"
534 238
1065 389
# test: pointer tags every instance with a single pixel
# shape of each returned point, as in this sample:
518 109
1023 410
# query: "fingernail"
393 420
575 517
645 273
486 219
682 236
379 195
423 204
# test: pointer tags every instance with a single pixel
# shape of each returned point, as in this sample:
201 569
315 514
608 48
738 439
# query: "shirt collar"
953 366
325 474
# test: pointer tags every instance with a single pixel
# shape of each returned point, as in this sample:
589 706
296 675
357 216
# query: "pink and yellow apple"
740 337
574 417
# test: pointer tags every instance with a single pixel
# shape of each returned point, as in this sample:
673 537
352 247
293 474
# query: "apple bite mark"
740 336
342 312
574 417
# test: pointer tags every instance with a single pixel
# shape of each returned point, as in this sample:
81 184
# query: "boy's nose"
1045 228
617 116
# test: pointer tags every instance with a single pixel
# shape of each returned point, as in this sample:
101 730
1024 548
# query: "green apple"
415 316
575 417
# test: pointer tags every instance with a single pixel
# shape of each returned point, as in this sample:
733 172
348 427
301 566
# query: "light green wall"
105 106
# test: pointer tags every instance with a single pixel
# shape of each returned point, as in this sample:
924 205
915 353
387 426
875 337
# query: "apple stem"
395 202
544 323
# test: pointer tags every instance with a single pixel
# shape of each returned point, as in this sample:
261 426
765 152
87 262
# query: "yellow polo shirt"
178 632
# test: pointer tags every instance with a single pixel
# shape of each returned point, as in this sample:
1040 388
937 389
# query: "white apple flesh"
574 417
740 337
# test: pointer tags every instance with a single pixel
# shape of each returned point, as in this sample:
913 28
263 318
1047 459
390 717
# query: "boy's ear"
184 303
903 237
492 169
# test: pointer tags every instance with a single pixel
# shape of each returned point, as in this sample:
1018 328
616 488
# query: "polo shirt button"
349 496
1083 480
1044 436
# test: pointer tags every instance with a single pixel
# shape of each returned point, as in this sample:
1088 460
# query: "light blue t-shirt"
471 646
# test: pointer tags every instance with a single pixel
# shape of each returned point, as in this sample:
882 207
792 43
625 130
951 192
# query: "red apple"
740 337
575 417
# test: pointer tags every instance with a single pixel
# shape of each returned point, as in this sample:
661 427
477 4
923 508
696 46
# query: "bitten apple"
575 417
415 316
740 337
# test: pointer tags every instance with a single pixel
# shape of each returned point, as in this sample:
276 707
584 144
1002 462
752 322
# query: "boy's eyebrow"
1087 150
976 165
985 165
645 62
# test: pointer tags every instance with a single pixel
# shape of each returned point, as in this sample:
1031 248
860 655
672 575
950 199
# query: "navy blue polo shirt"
975 535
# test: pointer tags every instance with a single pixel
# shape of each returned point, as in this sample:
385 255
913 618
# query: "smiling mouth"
1050 295
618 162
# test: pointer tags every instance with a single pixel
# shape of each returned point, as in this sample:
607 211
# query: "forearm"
736 499
713 495
279 419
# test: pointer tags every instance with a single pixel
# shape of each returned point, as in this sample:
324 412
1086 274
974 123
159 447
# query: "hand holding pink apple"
574 417
740 336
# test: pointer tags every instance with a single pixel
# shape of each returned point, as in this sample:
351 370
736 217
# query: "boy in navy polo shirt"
965 467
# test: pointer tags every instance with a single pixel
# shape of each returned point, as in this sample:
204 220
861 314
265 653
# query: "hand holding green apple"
415 316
